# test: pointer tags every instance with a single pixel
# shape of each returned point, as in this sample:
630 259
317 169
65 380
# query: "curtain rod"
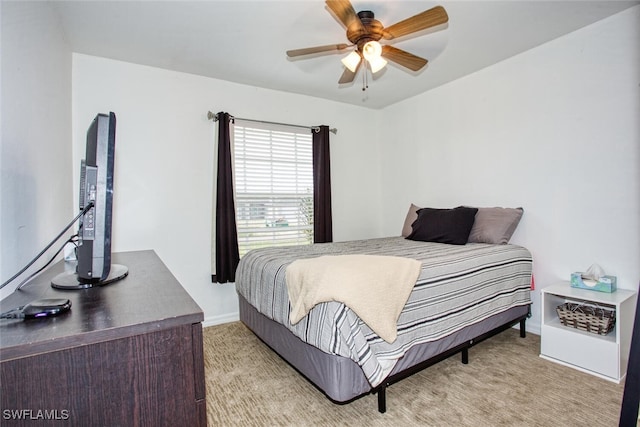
212 116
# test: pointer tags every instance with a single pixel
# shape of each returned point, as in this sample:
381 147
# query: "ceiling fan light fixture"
377 64
372 50
351 61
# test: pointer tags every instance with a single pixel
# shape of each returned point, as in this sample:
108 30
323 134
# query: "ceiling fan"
364 32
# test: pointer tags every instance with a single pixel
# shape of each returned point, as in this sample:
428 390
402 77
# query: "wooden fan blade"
427 19
348 75
403 58
316 49
345 13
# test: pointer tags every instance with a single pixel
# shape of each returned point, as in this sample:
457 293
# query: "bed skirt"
340 378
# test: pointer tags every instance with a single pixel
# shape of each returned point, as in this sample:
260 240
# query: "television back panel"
94 252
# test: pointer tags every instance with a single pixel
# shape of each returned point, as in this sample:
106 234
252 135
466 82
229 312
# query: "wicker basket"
596 320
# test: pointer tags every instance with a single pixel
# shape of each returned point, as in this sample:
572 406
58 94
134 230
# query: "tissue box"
605 284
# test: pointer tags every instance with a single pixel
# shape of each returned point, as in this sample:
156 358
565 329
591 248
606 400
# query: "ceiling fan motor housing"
372 31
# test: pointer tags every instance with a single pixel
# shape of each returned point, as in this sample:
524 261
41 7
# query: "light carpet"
506 383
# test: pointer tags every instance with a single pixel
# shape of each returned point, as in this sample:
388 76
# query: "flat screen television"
94 267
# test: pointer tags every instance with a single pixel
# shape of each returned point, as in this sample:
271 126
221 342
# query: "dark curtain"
226 233
322 221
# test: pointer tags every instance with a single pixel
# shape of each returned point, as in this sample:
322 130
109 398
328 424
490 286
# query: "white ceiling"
245 41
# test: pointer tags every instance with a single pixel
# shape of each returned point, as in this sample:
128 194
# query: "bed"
463 294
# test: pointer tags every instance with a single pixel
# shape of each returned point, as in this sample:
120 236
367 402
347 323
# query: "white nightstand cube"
605 356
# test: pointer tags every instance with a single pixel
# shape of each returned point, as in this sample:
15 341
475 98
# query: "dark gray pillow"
443 225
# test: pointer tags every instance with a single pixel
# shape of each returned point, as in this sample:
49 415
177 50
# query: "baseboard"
218 320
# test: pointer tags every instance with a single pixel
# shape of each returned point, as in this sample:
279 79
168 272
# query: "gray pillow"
495 225
412 215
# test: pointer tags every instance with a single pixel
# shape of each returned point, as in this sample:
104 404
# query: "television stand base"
69 280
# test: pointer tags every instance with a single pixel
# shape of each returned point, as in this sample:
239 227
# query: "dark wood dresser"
126 354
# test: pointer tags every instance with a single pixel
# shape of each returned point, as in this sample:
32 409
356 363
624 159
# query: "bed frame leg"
382 399
465 356
523 328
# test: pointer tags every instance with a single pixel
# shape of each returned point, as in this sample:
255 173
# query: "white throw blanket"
375 287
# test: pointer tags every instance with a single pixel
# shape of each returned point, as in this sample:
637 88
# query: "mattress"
458 286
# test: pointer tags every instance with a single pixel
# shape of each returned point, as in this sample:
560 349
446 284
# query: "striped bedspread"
457 286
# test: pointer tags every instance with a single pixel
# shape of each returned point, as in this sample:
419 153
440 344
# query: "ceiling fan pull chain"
365 80
364 74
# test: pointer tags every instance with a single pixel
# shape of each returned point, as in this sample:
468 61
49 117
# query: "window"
274 185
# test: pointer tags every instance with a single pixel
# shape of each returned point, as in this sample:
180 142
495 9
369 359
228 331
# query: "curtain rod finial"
212 116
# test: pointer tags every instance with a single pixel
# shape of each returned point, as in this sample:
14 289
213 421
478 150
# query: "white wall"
35 154
164 161
555 130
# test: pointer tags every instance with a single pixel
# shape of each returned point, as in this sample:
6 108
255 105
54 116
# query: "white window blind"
274 185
